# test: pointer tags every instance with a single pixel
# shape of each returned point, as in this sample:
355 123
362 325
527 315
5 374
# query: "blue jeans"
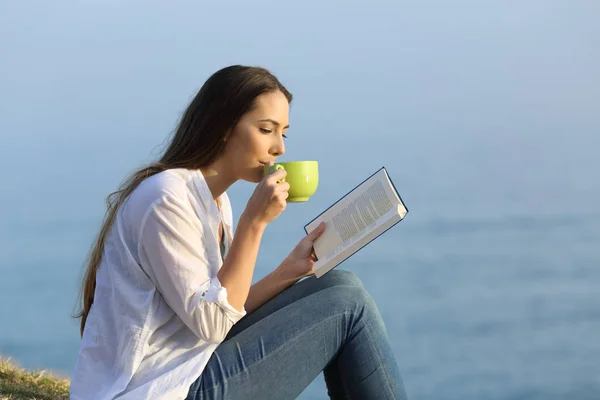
328 325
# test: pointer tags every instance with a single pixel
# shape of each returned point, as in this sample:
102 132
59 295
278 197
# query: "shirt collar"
208 203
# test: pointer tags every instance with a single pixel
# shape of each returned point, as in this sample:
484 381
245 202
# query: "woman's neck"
217 180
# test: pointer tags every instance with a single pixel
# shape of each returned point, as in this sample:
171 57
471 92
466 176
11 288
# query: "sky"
477 108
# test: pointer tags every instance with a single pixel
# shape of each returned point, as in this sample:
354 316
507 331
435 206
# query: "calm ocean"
496 307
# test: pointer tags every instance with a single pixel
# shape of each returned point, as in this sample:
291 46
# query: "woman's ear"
227 135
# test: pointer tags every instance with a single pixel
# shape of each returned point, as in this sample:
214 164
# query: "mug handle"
275 168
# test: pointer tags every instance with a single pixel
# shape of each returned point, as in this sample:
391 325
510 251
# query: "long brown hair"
199 139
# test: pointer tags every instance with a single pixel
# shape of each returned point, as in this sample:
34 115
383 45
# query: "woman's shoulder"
172 183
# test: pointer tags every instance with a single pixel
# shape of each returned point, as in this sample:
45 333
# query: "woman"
168 308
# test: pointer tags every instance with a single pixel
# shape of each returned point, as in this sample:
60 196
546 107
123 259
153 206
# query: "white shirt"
159 310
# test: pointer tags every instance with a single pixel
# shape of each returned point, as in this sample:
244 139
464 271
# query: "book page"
350 247
355 213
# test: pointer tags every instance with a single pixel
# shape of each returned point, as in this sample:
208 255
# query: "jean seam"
380 360
277 350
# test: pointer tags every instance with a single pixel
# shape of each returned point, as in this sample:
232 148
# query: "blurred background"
485 114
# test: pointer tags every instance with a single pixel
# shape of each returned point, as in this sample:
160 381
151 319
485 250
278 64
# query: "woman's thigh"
306 287
280 351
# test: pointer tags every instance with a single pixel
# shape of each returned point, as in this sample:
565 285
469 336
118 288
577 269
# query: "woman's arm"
237 270
172 251
298 264
265 204
268 287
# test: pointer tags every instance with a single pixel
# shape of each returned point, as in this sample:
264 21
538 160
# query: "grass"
19 384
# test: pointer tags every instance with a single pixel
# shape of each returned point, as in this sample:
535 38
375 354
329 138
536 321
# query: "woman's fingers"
283 186
276 176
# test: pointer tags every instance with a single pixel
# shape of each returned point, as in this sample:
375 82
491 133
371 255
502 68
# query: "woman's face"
258 137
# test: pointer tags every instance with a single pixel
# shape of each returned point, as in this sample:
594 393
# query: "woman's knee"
340 277
351 297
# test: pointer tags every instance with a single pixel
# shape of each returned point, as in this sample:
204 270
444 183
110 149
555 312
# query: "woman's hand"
269 198
301 261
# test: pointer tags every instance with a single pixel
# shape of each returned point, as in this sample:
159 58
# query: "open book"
367 211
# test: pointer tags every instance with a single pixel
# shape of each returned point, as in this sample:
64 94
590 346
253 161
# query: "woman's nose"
279 148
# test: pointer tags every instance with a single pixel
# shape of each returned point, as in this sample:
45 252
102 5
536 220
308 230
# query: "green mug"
303 177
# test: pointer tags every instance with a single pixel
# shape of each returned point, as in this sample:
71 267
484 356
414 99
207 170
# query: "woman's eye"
265 130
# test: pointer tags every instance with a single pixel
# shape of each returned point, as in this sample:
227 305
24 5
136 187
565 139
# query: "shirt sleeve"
172 250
